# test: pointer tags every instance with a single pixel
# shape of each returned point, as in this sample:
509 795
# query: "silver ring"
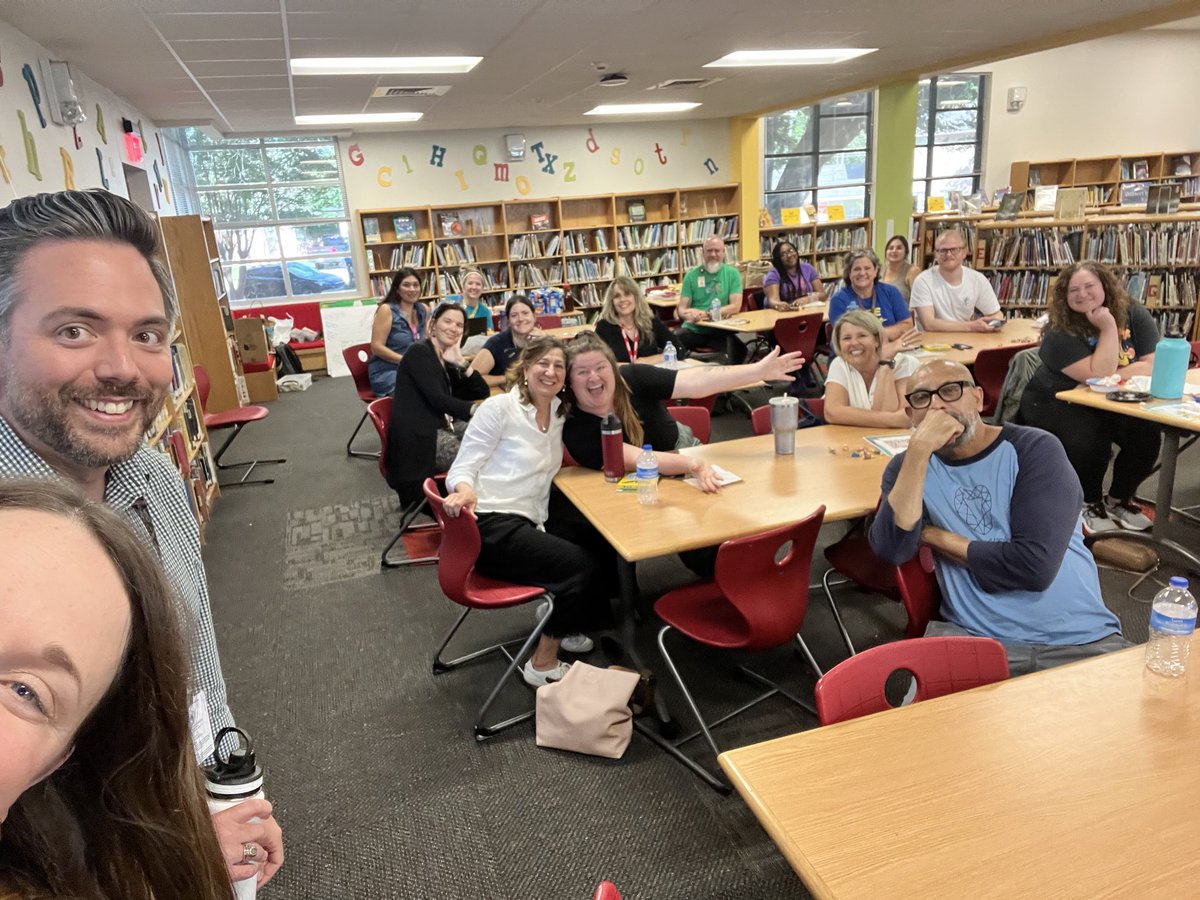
249 852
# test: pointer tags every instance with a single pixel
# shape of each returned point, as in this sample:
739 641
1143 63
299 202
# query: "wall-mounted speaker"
514 144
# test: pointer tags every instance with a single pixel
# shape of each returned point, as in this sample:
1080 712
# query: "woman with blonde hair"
629 326
867 378
1096 331
473 284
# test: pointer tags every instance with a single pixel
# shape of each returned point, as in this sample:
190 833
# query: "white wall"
53 141
1127 94
399 169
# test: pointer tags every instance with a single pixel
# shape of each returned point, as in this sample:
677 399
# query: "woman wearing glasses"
1096 331
863 290
791 283
868 377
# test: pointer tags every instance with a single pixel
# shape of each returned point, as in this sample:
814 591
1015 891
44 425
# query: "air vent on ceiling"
435 90
672 84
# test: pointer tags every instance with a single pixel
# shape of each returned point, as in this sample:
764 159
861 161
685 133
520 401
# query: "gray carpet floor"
382 790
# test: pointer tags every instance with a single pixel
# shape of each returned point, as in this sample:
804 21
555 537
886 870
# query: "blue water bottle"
1170 367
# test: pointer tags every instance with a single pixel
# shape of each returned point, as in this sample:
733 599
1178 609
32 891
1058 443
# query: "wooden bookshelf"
822 245
189 250
1104 177
583 242
1156 257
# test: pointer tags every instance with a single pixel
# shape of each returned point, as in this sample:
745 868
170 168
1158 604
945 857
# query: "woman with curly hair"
1096 331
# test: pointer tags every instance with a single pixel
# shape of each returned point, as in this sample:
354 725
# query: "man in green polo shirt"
713 284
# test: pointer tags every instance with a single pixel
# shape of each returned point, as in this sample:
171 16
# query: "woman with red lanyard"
627 324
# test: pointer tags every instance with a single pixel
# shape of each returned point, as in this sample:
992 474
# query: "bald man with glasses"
999 505
951 297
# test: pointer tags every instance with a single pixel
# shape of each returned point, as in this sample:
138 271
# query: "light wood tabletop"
775 491
1150 410
1079 781
1017 331
566 332
756 320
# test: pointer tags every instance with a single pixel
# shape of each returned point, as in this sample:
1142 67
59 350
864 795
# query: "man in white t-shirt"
949 296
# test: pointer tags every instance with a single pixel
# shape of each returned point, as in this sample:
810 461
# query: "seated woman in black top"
1095 331
629 326
501 349
431 405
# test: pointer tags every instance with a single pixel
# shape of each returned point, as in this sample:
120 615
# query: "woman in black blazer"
629 326
433 400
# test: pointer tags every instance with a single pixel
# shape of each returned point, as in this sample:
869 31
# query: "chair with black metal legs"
380 413
756 601
357 356
466 587
235 419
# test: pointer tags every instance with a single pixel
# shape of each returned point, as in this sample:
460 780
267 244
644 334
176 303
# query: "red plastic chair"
1194 356
380 413
939 665
235 419
544 322
760 416
357 356
753 603
606 890
466 587
919 591
800 333
991 368
706 402
695 418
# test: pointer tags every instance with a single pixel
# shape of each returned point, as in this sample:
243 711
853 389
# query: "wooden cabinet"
1106 178
582 242
823 246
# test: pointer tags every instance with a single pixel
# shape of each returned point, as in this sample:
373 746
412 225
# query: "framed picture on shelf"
1044 198
1141 168
539 222
405 226
1135 193
637 210
450 224
1010 205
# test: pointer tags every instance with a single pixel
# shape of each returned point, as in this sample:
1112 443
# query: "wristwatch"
890 363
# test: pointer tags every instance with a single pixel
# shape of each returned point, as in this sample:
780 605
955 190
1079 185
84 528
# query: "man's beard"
970 425
712 268
45 415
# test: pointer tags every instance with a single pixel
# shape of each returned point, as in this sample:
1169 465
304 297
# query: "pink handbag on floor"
587 711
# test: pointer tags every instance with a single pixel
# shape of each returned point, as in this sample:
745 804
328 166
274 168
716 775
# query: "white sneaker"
541 609
577 643
1127 514
1096 520
537 678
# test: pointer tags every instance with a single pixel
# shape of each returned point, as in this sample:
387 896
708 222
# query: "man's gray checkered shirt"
169 530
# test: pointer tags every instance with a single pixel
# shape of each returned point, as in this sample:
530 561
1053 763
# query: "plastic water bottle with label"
670 356
1172 621
647 476
714 312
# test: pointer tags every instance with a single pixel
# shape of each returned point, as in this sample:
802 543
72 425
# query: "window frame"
816 154
930 142
345 221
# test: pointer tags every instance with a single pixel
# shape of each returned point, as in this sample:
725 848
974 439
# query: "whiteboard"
344 324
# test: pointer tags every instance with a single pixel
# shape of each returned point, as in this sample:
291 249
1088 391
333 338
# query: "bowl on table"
1104 385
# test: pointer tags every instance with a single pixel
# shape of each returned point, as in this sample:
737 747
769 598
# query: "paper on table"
724 477
891 444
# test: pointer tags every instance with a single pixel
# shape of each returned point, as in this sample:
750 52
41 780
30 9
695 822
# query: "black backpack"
286 361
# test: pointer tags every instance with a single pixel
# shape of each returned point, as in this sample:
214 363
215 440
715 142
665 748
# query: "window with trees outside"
279 210
819 155
949 138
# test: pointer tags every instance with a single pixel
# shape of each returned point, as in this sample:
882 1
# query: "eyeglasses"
945 251
949 392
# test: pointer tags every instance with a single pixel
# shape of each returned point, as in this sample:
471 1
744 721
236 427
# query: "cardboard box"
252 339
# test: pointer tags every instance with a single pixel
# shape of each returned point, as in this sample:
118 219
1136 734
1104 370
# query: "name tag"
200 726
700 281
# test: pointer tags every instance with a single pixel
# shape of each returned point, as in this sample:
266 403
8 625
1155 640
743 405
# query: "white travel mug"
232 780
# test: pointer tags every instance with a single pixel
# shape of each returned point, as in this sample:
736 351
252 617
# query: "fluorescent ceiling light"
787 57
383 65
623 109
358 118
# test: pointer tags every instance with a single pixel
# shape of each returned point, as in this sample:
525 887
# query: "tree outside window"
279 210
949 138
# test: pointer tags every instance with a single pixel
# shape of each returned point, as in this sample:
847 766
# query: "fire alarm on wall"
1016 99
514 144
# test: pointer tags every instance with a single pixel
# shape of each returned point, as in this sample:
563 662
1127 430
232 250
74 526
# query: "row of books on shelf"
533 246
841 238
415 255
1155 290
587 295
586 241
527 275
380 284
495 278
590 268
803 242
455 253
650 263
1152 244
702 229
640 237
181 370
1031 247
1180 321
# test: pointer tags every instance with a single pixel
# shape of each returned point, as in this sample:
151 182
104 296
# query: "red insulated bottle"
612 444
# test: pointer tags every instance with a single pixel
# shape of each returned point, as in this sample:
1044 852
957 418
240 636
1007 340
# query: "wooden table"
1017 331
775 491
1174 427
1079 781
762 320
566 332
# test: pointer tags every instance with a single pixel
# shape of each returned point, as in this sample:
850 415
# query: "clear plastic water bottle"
1172 621
670 356
647 476
714 312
